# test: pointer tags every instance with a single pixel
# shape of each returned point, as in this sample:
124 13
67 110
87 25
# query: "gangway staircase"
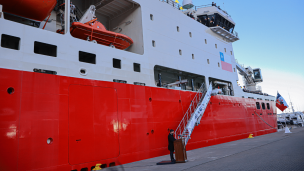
194 114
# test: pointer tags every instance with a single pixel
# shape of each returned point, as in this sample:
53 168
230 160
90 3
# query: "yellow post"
250 136
97 167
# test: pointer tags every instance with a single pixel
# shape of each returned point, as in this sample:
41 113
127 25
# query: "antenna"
291 103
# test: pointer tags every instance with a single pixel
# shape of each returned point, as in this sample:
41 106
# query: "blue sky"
271 38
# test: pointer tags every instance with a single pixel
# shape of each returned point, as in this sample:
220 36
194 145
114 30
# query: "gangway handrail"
189 111
194 113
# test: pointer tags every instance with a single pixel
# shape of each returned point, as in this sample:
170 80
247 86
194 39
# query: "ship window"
234 69
10 42
153 43
225 49
45 49
205 41
215 45
268 106
136 67
119 81
177 28
138 83
218 64
263 105
192 56
231 52
190 34
180 52
87 57
116 63
258 105
208 61
151 17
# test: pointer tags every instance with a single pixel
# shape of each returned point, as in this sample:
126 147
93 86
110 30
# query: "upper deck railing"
172 3
177 6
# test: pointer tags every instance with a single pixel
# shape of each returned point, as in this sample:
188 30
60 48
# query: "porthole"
208 61
225 49
83 71
49 141
231 52
180 52
234 69
218 64
10 90
151 17
190 34
177 29
205 41
192 56
215 45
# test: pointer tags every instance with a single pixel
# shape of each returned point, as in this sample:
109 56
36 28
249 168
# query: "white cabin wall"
163 29
134 30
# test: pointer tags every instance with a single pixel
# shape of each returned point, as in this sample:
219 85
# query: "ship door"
93 124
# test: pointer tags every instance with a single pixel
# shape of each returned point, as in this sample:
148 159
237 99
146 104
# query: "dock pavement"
272 152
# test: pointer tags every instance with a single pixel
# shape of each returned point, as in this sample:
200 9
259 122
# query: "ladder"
194 114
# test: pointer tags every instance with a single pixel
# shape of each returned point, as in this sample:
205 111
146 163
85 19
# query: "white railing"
172 3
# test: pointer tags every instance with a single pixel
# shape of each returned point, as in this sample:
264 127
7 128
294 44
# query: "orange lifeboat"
94 30
32 9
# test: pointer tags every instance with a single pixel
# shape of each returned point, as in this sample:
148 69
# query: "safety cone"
287 130
250 136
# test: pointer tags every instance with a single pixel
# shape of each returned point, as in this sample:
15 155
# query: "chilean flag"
281 103
226 62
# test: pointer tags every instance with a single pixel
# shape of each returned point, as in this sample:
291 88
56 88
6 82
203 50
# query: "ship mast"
291 104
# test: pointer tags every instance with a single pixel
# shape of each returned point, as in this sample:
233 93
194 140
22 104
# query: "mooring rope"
263 120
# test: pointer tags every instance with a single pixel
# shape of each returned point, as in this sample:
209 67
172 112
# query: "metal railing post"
67 17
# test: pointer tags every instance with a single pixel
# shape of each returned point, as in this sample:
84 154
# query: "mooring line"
264 121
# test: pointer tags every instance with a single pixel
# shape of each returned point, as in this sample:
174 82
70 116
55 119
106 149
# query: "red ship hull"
94 122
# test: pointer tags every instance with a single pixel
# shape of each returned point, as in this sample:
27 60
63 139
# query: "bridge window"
217 20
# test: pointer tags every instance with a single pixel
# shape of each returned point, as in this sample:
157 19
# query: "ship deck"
276 151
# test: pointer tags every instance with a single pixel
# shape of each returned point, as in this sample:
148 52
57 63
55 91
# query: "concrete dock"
276 151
